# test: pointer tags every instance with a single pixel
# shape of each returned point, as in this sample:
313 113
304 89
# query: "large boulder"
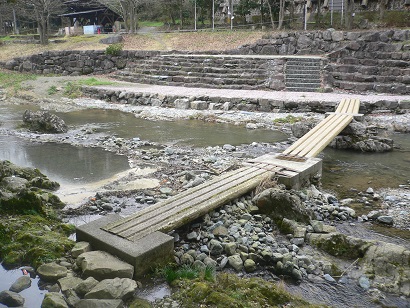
11 299
101 265
51 272
117 288
22 283
54 300
279 203
389 265
43 121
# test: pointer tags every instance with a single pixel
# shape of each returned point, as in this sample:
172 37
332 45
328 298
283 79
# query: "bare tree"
41 11
127 9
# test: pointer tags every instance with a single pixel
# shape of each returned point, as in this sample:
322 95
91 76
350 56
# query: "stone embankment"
368 61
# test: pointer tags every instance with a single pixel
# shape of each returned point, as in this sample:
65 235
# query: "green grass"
172 273
6 38
11 81
289 119
73 89
52 90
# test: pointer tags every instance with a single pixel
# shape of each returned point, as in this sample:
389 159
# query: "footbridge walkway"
141 237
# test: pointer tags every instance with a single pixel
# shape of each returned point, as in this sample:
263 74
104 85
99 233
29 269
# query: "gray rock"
249 265
182 103
220 231
364 282
370 191
199 265
215 247
210 262
230 248
101 265
186 258
43 121
114 39
388 220
117 288
85 286
11 299
228 147
67 283
236 262
192 235
100 303
71 297
51 272
54 300
14 183
79 248
329 278
22 283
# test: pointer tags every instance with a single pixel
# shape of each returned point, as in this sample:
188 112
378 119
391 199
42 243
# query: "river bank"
176 167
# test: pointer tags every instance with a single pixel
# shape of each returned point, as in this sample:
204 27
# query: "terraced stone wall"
363 61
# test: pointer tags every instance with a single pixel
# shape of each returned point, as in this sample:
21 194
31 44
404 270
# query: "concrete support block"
154 250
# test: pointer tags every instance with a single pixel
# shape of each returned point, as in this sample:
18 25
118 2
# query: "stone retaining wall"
222 103
366 61
74 62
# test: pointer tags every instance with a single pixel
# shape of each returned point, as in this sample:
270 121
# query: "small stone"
364 282
192 236
329 278
388 220
235 261
249 265
370 191
11 299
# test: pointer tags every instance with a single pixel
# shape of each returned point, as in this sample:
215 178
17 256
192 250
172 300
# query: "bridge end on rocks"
144 254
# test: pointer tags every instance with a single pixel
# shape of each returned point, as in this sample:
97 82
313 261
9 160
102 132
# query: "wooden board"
193 203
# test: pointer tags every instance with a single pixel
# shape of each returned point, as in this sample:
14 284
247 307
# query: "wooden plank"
341 105
190 194
346 119
324 136
183 195
182 209
309 143
305 137
195 212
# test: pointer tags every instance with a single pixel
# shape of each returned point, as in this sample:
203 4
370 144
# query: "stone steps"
303 74
199 71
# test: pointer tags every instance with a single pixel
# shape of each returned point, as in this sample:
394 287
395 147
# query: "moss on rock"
34 240
228 290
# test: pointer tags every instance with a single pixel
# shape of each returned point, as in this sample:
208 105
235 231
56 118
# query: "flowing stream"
343 171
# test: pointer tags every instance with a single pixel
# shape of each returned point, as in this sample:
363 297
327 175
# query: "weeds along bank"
366 61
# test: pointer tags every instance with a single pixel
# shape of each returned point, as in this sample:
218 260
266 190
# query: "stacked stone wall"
365 61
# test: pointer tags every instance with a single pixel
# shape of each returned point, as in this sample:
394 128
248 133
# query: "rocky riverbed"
311 238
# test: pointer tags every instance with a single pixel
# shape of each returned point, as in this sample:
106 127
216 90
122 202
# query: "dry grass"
189 41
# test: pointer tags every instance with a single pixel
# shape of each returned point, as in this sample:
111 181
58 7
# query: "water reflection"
188 132
62 162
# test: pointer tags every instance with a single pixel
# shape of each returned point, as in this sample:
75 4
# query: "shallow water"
346 170
185 132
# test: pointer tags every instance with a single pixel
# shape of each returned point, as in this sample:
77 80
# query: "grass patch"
290 119
52 90
11 81
73 89
172 273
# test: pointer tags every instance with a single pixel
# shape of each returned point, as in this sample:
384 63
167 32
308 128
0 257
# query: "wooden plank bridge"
296 162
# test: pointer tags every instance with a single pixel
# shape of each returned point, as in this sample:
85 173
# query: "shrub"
114 49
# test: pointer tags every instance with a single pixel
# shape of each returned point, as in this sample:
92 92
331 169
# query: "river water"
343 171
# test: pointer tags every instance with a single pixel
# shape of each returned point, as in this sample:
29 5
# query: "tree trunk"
271 16
281 13
383 5
43 29
181 8
349 14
